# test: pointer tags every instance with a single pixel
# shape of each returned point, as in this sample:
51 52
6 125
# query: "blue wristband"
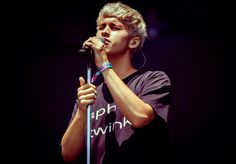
104 66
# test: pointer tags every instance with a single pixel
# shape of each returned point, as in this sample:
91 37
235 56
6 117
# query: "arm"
132 107
72 142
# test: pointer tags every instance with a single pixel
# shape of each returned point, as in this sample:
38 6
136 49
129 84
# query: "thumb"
81 81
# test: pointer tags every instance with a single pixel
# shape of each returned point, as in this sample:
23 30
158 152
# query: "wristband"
101 68
104 66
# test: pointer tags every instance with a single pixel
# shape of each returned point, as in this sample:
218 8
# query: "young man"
129 107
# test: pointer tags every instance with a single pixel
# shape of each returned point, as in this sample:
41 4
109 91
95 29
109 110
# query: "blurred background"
189 40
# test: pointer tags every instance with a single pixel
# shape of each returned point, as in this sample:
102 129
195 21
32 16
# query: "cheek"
119 46
120 42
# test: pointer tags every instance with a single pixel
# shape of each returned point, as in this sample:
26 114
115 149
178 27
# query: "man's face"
115 34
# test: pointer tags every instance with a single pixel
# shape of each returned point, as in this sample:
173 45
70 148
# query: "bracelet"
102 68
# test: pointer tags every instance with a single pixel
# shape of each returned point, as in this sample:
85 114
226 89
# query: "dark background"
189 40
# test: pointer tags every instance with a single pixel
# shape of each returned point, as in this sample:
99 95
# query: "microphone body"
85 50
88 50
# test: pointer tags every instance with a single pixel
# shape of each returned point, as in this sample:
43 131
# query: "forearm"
132 107
73 139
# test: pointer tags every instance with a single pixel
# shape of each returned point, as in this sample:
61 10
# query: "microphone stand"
88 53
89 72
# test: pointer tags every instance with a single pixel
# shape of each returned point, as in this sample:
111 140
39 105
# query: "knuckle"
78 94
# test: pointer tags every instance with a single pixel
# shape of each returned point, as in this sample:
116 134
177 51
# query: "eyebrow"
118 24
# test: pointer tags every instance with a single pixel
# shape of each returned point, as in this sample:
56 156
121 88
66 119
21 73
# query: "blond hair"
131 18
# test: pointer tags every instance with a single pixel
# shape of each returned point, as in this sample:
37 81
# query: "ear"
134 42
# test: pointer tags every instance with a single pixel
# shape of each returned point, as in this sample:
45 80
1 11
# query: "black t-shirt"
114 139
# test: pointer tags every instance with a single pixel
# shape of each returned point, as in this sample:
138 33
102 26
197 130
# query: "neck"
122 66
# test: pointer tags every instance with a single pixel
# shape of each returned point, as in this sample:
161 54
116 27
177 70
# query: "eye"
100 27
114 27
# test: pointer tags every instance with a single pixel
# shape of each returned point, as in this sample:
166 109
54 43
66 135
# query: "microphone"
88 50
85 50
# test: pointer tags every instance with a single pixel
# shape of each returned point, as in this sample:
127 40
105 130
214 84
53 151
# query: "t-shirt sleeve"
156 92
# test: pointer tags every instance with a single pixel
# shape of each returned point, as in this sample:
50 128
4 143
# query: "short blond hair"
130 17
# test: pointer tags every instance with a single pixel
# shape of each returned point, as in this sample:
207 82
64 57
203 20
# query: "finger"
86 87
81 81
82 92
90 96
87 99
95 43
88 42
87 102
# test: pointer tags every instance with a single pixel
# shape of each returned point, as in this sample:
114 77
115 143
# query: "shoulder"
148 79
158 74
155 76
